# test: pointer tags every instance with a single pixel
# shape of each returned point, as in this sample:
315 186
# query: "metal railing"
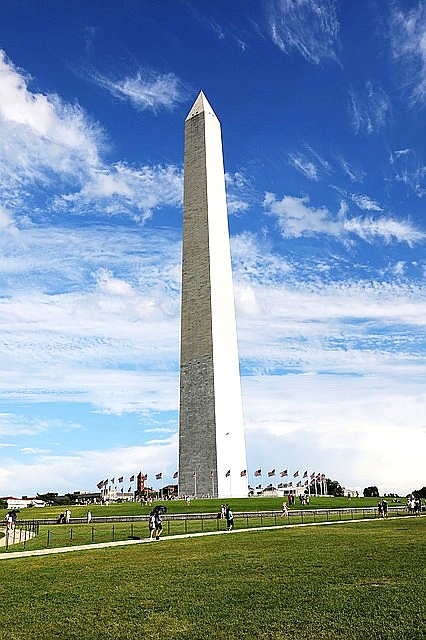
114 528
21 532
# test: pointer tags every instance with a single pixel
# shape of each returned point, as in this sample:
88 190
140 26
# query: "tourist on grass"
385 508
284 510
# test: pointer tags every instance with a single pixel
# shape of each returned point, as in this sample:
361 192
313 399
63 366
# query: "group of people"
414 506
382 508
64 518
155 524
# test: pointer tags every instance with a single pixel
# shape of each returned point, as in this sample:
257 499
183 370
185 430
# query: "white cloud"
121 189
309 27
146 89
7 222
296 218
408 42
349 428
40 134
56 149
85 468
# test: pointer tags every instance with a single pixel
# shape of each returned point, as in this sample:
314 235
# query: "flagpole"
195 484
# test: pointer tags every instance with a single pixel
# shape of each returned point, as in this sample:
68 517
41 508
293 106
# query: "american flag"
158 476
258 473
175 475
243 473
271 473
228 473
284 473
132 478
295 474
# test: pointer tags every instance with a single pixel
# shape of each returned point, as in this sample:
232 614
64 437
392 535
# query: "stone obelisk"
212 454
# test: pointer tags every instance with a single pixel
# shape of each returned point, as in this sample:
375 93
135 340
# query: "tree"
371 492
334 488
420 493
55 499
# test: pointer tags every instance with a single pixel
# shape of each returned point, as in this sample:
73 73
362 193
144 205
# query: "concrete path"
121 543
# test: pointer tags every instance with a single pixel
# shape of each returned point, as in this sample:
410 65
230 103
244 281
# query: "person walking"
284 510
229 518
151 525
158 525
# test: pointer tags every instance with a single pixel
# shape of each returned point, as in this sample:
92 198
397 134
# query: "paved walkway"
121 543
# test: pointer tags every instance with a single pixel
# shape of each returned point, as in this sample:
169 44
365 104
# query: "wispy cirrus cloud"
296 218
408 168
369 109
240 194
308 27
309 163
355 174
408 43
305 166
365 202
145 89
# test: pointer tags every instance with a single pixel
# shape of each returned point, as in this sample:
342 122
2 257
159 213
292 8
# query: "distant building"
24 502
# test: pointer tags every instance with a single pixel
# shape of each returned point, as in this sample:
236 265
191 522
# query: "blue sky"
322 106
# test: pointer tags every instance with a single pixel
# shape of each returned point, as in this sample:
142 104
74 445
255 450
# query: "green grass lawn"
350 581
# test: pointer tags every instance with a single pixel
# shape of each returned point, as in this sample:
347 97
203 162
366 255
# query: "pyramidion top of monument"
201 104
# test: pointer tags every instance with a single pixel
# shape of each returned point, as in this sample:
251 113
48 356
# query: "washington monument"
212 454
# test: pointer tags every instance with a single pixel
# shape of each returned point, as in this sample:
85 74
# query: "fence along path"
120 543
15 536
